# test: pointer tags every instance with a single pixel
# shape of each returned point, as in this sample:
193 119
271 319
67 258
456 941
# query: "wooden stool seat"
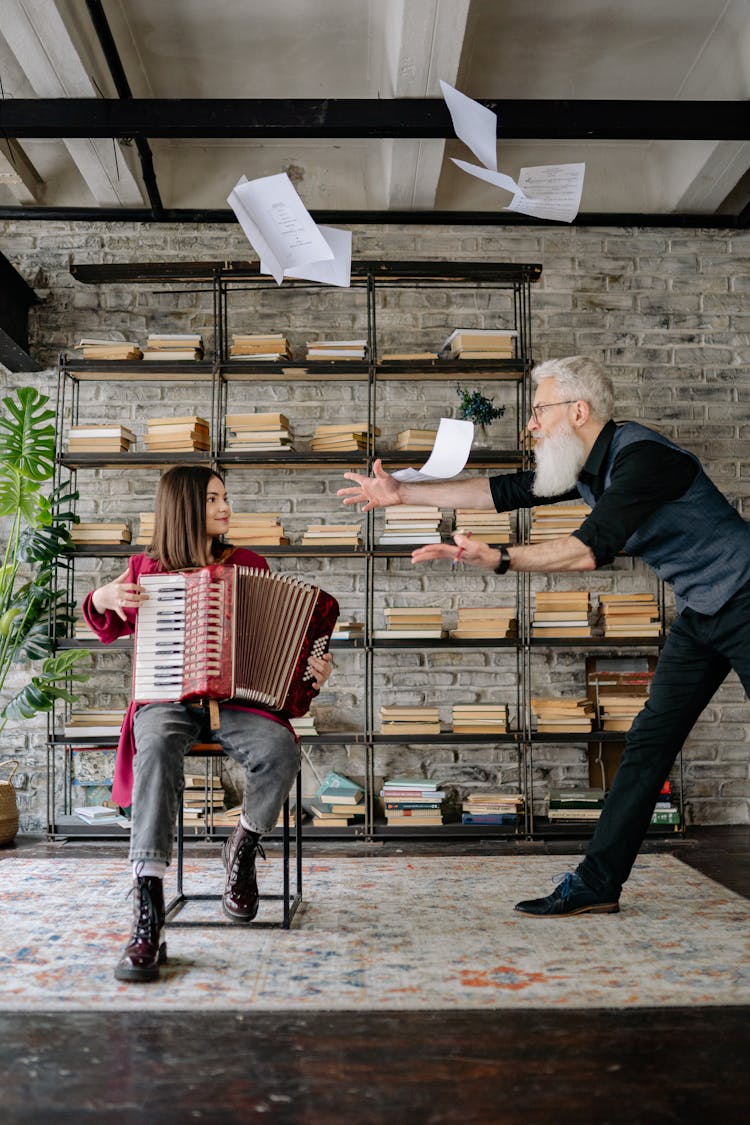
290 901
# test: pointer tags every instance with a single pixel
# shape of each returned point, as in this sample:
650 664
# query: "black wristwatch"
504 563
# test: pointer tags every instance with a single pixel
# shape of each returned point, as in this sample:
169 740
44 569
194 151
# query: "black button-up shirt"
645 475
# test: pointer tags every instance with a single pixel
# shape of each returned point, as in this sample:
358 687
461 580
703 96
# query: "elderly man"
650 499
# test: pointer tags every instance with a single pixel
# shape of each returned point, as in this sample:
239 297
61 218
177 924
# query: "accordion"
230 632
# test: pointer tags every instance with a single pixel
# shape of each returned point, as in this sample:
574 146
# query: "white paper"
337 271
498 179
449 453
549 191
277 224
473 124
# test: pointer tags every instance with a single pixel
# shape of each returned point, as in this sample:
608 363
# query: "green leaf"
27 439
17 494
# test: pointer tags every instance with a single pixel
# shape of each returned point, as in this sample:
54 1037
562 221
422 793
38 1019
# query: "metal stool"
290 901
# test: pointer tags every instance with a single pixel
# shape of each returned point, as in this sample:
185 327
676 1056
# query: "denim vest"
698 543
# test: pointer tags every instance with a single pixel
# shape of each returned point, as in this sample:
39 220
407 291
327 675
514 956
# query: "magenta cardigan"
108 626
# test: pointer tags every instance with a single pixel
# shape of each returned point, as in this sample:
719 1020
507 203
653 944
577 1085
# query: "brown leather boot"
241 899
145 950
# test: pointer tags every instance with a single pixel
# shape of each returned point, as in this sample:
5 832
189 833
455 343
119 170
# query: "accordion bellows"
230 632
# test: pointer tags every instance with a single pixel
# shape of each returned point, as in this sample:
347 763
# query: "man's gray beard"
559 459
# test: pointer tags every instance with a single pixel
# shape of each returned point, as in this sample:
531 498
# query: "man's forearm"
474 492
564 554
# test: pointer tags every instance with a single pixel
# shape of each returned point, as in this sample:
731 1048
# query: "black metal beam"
368 218
116 69
131 272
16 297
372 117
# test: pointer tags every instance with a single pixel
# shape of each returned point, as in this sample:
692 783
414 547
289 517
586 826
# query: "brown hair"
179 540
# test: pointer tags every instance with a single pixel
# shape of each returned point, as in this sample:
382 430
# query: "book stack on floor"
480 718
337 802
549 521
93 723
347 437
202 798
665 811
100 437
411 523
404 622
487 807
348 630
332 535
620 696
629 615
561 613
409 720
486 526
259 433
479 343
562 714
270 347
109 349
412 802
575 805
94 534
304 725
489 621
161 346
327 350
256 529
415 441
177 435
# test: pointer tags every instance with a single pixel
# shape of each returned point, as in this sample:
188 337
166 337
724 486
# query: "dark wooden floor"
528 1068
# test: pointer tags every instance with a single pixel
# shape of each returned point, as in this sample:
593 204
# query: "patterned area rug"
379 934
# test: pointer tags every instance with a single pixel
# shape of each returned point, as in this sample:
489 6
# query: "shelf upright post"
369 539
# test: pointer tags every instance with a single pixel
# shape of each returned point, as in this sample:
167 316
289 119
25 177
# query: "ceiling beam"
18 173
368 117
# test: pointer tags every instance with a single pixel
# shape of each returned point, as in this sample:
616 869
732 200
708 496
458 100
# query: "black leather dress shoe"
570 896
241 899
145 951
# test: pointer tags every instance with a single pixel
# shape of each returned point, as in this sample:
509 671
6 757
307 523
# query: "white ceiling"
669 50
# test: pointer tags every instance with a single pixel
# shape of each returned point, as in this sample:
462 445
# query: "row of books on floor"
585 805
569 613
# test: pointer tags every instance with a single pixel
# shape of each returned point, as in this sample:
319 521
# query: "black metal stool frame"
290 901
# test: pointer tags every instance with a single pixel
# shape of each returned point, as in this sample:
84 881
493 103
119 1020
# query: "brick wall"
666 310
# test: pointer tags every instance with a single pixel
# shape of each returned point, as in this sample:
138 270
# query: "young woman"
190 521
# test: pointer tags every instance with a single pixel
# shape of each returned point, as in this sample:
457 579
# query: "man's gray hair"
580 377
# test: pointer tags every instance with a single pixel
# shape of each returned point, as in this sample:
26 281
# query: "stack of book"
337 801
100 438
92 534
480 718
489 621
94 724
109 349
416 441
145 529
97 814
177 435
257 433
575 804
227 818
629 615
389 357
350 630
172 346
260 346
409 720
327 350
484 525
304 725
562 714
256 529
404 622
549 521
616 712
479 343
619 696
348 437
82 631
488 807
202 798
411 523
561 613
411 802
665 812
332 535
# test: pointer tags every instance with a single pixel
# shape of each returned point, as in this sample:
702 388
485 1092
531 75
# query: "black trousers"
698 655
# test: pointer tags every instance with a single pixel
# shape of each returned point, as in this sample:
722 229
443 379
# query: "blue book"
489 818
336 789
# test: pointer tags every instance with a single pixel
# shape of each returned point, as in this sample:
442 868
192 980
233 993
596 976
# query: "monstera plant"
33 613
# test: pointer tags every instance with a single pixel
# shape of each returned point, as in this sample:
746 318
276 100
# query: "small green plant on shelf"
33 614
477 408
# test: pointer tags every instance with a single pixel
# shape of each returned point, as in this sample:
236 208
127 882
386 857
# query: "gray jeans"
164 732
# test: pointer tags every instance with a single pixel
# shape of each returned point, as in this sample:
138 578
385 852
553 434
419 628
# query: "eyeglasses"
536 411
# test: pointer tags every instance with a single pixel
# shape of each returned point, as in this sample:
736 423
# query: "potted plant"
33 613
477 408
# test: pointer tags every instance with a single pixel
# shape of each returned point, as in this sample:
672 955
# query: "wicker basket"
8 806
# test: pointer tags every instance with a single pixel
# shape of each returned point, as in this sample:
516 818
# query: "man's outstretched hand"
377 491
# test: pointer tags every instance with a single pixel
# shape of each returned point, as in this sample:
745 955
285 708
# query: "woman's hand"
377 491
119 595
321 668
